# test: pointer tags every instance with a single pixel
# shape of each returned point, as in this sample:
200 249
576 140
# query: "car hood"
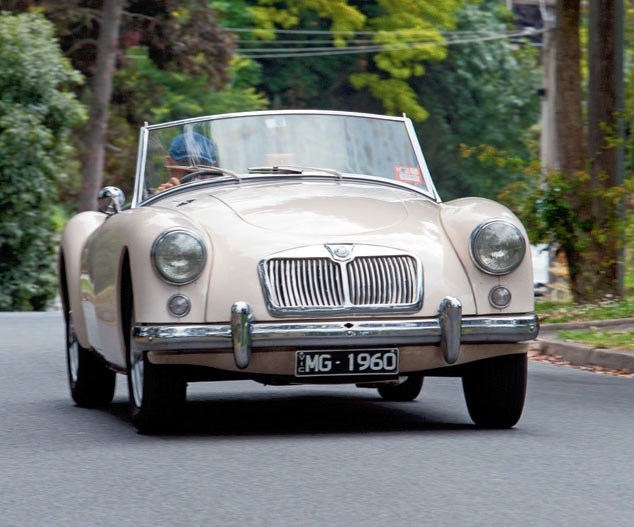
307 207
248 222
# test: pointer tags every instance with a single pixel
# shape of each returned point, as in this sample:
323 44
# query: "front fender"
74 237
459 218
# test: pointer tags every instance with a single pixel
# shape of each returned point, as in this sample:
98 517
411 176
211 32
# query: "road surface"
251 455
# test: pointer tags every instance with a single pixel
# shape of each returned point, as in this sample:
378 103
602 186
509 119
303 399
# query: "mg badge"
340 252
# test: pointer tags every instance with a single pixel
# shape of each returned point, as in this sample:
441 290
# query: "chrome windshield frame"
144 135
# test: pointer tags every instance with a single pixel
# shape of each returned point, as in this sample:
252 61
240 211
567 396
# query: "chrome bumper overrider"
243 334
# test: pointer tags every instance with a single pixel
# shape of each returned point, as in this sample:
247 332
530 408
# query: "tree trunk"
602 156
570 134
94 145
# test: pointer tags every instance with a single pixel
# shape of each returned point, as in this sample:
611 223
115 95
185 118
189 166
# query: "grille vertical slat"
314 281
336 282
396 290
292 283
331 283
279 284
369 282
375 282
323 279
304 292
380 265
400 289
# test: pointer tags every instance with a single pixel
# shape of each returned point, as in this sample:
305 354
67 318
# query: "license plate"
310 363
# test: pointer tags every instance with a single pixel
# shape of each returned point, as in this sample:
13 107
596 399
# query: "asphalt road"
308 456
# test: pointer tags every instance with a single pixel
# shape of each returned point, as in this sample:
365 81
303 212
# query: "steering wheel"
199 173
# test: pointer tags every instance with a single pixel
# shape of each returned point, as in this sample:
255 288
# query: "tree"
481 99
144 92
482 92
570 133
602 151
585 214
400 33
181 36
410 32
37 112
576 204
94 146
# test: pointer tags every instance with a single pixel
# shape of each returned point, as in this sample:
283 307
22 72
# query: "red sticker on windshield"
410 175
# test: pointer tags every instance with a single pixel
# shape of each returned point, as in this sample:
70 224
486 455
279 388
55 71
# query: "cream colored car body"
248 219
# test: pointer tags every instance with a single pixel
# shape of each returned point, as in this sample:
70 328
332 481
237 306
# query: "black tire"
161 405
91 383
408 390
495 390
157 394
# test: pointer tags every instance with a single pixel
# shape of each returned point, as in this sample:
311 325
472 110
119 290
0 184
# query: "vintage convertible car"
294 247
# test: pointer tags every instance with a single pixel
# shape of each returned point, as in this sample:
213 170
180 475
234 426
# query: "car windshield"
341 143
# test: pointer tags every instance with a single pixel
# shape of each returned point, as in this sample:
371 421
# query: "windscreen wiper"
292 169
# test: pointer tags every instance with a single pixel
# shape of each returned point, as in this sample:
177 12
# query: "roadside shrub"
37 112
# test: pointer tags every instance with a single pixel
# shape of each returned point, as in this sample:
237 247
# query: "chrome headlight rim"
476 258
154 255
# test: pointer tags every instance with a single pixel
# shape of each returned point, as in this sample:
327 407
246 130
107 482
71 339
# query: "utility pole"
548 141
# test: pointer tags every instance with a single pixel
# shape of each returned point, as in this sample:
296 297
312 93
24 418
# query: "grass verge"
616 340
553 311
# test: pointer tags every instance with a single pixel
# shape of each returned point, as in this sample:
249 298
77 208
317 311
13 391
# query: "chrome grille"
368 283
305 282
385 280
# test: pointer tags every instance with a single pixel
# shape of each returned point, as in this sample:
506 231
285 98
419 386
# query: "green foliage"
267 14
482 93
577 216
156 95
36 114
396 94
143 92
409 33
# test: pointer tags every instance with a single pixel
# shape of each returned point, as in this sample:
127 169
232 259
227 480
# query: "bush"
37 111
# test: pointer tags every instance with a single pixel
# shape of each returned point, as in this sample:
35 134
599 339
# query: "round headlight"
179 256
497 247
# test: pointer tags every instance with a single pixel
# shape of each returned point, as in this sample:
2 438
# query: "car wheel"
408 390
495 390
91 382
157 394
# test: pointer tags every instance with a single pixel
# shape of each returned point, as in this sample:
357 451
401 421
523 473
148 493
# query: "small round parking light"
499 297
179 305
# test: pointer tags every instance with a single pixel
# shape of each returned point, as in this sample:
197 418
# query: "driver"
186 150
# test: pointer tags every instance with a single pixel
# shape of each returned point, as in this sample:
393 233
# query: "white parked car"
294 247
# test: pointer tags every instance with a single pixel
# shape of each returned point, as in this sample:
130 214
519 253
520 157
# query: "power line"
449 35
293 52
348 32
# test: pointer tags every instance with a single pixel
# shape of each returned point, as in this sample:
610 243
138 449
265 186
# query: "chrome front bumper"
448 330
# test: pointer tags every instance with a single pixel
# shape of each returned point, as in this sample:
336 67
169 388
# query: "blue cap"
194 146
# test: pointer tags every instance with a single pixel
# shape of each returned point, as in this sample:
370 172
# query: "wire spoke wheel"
90 380
157 393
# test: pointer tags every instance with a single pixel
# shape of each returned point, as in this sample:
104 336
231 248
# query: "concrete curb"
586 355
616 322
